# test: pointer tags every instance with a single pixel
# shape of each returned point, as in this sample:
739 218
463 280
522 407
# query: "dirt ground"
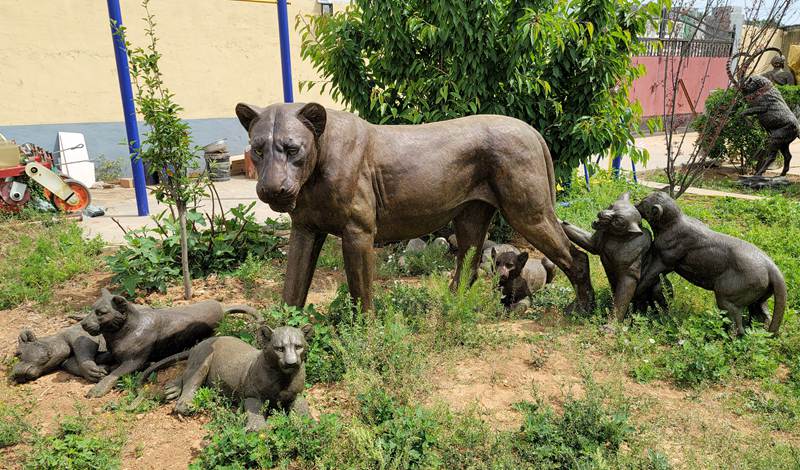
535 364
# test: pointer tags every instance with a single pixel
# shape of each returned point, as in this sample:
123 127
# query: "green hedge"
741 137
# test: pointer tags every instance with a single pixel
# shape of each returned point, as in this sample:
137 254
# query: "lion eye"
291 151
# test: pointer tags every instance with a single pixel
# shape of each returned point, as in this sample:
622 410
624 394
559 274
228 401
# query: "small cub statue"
741 276
519 276
624 249
135 335
273 375
71 349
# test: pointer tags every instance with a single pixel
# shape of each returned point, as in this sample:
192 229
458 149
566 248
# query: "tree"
722 114
562 66
167 146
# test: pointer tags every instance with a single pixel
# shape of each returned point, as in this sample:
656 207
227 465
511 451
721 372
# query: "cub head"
508 265
658 209
286 345
284 146
33 357
754 83
109 314
620 218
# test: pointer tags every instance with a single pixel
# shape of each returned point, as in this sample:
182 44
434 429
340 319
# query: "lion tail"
779 291
166 362
548 161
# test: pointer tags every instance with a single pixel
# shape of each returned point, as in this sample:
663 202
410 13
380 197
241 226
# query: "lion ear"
494 253
26 336
264 336
626 196
308 331
314 117
522 258
247 113
120 303
656 211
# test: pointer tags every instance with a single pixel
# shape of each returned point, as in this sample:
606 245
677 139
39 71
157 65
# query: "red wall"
649 89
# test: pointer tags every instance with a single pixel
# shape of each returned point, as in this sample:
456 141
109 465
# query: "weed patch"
74 446
34 261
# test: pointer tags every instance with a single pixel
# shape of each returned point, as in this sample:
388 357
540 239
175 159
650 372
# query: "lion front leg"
359 265
255 416
304 248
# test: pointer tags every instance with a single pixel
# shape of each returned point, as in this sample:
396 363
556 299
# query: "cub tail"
166 362
779 291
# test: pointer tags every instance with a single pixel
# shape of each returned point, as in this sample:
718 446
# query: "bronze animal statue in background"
71 349
766 103
624 250
741 276
335 173
519 277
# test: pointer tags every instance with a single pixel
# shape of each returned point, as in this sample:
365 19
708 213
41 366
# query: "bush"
433 258
108 170
151 259
33 263
12 425
741 137
74 446
413 303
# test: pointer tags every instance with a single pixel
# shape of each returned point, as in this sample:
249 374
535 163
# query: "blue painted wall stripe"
108 139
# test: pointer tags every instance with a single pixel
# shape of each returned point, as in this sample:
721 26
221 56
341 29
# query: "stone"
415 245
379 184
441 243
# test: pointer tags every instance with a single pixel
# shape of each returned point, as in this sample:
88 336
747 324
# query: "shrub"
741 137
12 425
432 259
107 170
33 263
561 66
74 446
151 259
414 303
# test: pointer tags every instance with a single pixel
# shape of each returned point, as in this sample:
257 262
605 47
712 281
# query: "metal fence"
687 48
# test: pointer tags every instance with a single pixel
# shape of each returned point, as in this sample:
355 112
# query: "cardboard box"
9 154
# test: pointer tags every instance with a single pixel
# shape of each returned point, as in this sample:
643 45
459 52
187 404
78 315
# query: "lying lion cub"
135 335
273 375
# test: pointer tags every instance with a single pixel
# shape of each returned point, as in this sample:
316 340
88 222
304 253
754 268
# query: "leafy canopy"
564 66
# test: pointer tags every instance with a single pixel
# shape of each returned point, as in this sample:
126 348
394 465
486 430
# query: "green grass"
77 444
13 426
37 256
593 431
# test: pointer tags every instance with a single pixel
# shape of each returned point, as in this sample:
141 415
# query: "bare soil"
680 422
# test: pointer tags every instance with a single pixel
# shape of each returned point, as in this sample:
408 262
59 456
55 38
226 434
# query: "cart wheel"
81 191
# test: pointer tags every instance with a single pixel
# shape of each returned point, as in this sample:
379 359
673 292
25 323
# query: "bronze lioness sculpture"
335 173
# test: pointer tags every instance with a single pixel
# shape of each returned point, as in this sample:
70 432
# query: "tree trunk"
187 279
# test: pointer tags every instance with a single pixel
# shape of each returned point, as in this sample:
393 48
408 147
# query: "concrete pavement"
120 204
